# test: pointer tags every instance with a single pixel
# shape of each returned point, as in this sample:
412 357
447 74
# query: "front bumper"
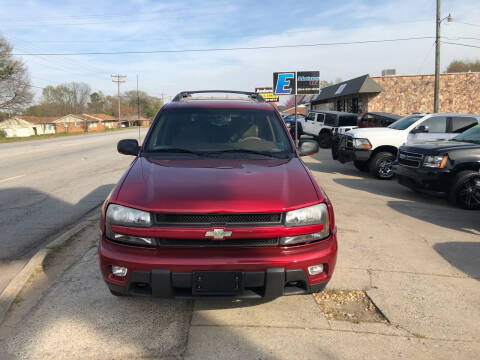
434 180
265 272
346 154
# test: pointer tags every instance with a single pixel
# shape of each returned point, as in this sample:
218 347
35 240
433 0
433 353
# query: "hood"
217 185
366 132
431 147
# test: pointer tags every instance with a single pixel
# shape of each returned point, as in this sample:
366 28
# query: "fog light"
315 269
119 271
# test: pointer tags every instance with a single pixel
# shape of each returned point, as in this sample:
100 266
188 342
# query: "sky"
58 26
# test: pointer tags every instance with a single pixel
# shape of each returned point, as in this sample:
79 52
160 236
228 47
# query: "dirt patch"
349 305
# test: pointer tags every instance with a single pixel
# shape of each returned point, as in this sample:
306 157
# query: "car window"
347 120
462 123
199 129
436 124
311 117
405 122
320 117
331 119
471 135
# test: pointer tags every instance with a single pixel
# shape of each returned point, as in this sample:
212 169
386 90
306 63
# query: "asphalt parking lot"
416 257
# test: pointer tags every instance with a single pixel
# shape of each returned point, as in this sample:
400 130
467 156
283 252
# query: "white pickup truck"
375 149
324 124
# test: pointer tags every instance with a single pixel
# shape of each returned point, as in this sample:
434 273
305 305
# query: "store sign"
284 83
308 82
293 83
267 93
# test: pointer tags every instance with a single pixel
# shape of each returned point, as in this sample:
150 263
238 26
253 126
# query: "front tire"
324 140
463 191
361 165
381 165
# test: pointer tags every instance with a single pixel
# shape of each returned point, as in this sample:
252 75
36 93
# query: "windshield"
197 131
403 123
349 120
471 135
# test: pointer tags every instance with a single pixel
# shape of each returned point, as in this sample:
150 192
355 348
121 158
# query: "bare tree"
15 90
71 97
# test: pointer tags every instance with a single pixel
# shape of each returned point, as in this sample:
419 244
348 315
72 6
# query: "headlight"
289 125
125 216
312 215
435 161
362 144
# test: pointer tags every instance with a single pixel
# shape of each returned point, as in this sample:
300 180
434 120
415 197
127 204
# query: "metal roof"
362 84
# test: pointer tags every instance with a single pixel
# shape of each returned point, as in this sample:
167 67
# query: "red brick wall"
407 94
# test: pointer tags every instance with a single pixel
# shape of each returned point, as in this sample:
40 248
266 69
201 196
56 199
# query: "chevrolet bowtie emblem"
218 234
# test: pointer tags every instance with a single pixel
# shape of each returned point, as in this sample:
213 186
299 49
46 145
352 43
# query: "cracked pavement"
416 256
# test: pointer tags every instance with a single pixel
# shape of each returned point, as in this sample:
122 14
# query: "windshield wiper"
245 151
178 150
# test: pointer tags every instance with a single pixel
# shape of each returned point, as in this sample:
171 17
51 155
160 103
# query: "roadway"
47 185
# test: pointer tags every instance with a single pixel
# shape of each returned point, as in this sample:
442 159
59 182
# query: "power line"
466 23
264 47
460 44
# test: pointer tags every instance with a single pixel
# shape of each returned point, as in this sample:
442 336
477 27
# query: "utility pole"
118 79
437 60
436 104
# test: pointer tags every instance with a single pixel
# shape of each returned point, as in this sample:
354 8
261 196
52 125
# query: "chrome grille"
410 159
348 142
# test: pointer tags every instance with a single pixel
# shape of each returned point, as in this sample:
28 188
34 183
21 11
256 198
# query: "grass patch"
49 136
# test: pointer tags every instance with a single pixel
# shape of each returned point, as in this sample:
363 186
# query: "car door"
308 123
317 125
431 129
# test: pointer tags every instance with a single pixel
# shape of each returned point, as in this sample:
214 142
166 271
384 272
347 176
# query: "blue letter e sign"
284 83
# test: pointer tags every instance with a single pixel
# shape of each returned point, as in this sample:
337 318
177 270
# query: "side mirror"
308 147
128 147
420 129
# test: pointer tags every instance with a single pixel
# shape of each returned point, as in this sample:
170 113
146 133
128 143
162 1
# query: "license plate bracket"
217 282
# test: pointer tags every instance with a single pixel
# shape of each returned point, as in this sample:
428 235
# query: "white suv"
375 149
326 124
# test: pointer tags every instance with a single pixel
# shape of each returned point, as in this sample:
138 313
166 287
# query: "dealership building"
401 94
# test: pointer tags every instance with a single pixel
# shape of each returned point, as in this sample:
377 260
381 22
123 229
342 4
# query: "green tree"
97 102
457 66
15 89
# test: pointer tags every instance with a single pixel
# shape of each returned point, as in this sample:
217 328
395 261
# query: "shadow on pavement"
79 318
28 216
449 217
465 256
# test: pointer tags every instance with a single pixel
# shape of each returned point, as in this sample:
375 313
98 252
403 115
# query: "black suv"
450 167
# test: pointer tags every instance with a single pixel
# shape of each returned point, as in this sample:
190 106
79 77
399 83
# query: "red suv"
217 203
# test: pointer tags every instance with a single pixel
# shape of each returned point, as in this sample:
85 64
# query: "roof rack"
185 94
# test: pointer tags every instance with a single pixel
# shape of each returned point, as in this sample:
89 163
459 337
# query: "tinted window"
471 135
311 117
320 117
403 123
330 119
436 124
347 120
460 123
199 129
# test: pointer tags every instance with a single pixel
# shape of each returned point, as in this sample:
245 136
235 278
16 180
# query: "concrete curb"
18 282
